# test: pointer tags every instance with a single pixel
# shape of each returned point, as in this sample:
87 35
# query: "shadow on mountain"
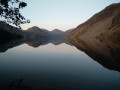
105 52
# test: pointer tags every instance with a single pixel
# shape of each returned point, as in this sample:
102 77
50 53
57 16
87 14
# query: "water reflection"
57 65
107 53
34 42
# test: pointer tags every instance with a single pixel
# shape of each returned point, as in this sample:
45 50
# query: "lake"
55 67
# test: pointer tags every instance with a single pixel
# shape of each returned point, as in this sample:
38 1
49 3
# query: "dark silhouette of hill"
10 29
57 32
37 32
40 32
7 34
54 34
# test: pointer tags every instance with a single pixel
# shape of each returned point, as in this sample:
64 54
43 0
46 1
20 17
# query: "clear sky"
61 14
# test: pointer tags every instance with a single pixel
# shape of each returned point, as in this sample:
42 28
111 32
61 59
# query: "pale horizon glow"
51 26
61 14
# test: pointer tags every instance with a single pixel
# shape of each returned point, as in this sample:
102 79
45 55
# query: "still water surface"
54 67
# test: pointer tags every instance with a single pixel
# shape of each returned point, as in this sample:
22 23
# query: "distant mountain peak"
34 28
57 30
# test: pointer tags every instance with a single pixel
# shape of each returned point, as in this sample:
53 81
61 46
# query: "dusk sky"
61 14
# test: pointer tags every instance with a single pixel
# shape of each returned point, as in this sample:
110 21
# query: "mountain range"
33 32
11 36
56 33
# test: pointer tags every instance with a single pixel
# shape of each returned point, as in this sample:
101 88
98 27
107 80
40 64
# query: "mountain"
10 29
104 24
33 36
8 33
57 32
99 37
44 36
43 33
37 32
68 31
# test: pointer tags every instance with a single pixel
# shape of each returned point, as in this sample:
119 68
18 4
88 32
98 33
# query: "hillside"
68 31
104 23
37 32
57 32
8 33
10 29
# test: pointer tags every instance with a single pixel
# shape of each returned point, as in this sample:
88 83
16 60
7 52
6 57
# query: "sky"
61 14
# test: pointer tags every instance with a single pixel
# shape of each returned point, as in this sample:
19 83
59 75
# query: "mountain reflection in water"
68 69
107 53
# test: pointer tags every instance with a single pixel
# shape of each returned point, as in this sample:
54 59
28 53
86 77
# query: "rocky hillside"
102 24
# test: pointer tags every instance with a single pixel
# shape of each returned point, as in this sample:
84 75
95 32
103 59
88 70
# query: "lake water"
54 67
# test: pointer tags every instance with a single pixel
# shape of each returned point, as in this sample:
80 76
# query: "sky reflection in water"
55 67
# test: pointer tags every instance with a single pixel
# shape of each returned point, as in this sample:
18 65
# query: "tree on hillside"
10 11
